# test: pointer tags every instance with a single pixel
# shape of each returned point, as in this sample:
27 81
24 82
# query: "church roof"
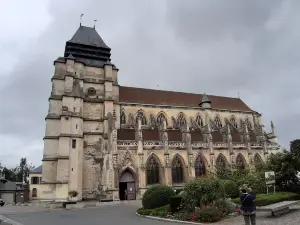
171 98
87 46
88 36
37 170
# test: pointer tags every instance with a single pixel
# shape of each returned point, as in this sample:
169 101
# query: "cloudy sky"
214 46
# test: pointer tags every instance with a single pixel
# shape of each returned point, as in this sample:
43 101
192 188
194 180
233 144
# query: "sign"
270 177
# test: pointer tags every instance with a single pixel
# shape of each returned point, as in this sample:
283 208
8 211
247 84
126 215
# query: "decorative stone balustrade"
127 144
177 144
152 144
220 145
199 145
238 145
256 145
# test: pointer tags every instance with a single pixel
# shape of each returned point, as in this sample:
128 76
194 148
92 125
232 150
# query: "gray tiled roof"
37 170
88 36
8 186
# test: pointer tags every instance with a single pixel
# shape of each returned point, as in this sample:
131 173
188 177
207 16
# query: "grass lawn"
264 199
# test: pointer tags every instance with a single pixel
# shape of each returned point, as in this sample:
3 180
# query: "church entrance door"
127 186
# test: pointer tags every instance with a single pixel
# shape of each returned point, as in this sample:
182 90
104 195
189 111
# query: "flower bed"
200 201
264 199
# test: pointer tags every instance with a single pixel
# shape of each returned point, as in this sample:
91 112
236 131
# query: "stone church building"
110 141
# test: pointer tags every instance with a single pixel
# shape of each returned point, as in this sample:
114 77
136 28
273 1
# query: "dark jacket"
248 204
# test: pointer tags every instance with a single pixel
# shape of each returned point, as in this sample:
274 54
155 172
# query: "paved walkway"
118 215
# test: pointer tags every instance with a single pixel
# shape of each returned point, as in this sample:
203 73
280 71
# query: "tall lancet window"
233 122
218 122
199 121
181 120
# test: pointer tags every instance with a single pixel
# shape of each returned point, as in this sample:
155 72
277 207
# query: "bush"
255 181
224 206
202 193
157 196
144 212
183 216
161 211
175 202
177 191
211 214
231 188
264 199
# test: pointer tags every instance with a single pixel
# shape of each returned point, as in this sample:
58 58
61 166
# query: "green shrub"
161 211
202 193
177 191
231 188
175 202
255 181
264 199
145 212
183 215
211 214
224 206
157 196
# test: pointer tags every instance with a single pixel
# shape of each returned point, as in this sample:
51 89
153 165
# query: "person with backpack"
248 207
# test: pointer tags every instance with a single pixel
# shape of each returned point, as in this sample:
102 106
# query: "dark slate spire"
87 45
205 103
88 36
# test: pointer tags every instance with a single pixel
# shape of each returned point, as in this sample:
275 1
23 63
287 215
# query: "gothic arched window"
181 121
233 122
258 160
248 124
177 170
218 122
160 118
240 162
200 166
199 121
142 116
123 118
152 171
221 162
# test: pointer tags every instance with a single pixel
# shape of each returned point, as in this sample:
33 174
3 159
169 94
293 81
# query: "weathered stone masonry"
100 136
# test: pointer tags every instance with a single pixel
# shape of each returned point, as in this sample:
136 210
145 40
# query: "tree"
284 166
295 150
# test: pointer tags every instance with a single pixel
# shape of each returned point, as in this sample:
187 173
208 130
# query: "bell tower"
84 93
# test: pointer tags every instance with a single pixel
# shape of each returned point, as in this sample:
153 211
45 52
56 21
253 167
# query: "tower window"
73 143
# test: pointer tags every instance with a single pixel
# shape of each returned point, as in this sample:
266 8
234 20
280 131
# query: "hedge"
264 199
160 211
156 196
175 202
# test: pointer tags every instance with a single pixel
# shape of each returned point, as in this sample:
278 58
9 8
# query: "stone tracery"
200 168
177 170
218 122
199 120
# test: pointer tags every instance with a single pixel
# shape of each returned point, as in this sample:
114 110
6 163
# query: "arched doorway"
127 186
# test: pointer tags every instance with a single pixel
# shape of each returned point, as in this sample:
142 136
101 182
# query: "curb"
167 220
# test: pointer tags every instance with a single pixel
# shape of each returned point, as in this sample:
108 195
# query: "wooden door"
131 191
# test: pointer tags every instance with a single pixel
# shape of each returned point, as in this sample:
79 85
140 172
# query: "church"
112 142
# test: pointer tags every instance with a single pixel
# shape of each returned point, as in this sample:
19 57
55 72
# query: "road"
119 215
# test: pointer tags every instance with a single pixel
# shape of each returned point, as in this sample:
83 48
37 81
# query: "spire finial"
95 24
81 18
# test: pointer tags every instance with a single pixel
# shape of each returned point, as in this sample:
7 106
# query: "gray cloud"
218 47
